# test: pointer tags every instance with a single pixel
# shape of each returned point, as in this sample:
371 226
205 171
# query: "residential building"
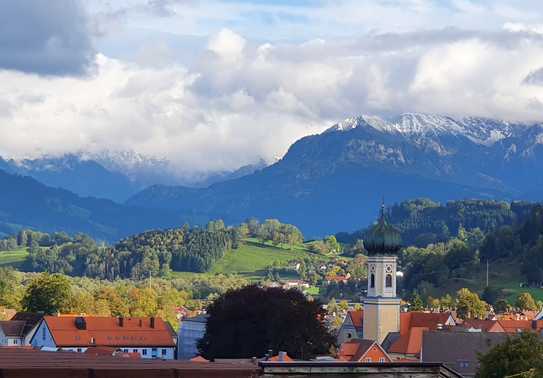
362 350
352 327
381 305
458 350
150 337
191 330
12 333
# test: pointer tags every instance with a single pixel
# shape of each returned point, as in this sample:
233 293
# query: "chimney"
282 355
152 322
80 323
121 321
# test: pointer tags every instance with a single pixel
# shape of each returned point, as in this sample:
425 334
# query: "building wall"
375 354
381 316
190 333
42 337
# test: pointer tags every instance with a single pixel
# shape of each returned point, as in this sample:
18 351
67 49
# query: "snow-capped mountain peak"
479 130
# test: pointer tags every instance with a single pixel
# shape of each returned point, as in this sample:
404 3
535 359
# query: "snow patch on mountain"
411 125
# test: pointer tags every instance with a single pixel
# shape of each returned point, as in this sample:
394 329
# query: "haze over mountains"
325 183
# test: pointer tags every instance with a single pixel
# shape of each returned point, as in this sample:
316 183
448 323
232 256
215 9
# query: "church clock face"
372 268
388 268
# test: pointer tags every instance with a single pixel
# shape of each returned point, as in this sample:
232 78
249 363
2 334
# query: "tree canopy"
247 322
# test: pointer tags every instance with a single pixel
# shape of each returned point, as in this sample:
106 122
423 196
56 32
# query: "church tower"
381 306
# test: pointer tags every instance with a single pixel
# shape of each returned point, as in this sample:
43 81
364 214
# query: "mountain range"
335 180
325 183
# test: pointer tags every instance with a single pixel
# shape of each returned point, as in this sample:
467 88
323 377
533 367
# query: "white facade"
43 339
191 330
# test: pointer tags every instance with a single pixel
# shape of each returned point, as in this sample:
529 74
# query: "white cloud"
218 102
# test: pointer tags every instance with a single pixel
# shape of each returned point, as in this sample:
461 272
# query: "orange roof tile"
483 325
107 331
514 326
412 326
357 317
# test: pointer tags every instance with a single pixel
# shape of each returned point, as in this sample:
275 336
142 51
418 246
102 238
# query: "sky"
214 85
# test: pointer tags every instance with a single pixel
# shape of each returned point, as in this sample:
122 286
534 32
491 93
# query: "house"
150 337
12 333
352 326
458 350
191 330
408 342
295 284
362 350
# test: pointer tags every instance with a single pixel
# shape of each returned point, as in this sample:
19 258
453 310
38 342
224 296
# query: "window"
367 359
144 352
349 335
388 280
79 350
135 350
372 280
463 364
164 351
43 333
381 359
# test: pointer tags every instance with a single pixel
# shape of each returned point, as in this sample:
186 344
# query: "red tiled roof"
350 350
412 326
355 350
483 325
357 317
107 331
514 326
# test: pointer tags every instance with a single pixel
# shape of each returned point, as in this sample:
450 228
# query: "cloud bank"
239 98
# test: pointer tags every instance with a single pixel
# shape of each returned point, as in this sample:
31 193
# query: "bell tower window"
372 280
388 280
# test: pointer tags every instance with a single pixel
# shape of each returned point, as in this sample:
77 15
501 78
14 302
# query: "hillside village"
380 331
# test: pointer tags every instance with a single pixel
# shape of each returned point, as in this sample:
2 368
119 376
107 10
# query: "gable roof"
515 326
108 331
355 350
31 320
357 318
13 328
412 326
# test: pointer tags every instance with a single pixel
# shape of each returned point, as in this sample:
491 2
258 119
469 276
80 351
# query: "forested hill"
26 203
422 221
519 243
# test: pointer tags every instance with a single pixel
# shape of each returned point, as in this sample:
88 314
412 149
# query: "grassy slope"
251 259
13 258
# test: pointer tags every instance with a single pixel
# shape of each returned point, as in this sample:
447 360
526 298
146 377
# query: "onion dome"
383 238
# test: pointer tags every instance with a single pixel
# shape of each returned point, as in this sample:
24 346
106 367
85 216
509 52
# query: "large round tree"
250 321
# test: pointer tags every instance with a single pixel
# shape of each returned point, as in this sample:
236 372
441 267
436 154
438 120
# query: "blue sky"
213 85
